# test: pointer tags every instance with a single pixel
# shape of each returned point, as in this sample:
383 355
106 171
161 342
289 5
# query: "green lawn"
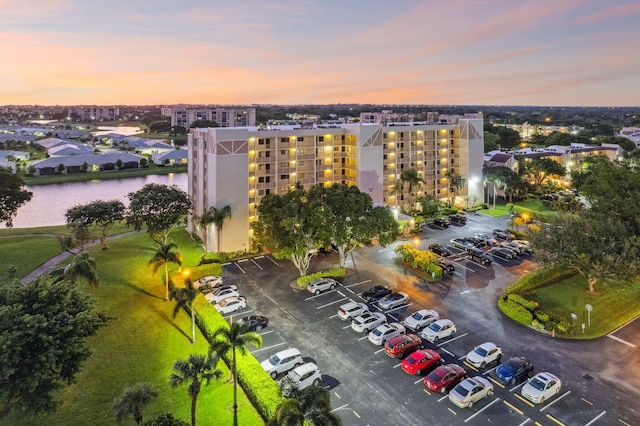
527 206
39 248
140 344
617 304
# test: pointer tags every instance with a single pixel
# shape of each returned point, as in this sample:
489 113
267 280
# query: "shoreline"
108 175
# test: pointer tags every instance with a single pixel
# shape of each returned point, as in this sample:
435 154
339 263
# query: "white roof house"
95 162
170 158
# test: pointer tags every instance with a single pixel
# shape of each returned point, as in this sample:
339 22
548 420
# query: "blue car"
514 370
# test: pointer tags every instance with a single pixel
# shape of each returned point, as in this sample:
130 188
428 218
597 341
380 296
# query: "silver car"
421 319
320 285
368 321
470 391
394 300
385 332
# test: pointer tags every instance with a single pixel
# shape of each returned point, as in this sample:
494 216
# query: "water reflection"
50 202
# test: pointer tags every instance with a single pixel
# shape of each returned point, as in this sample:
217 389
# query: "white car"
384 332
469 391
394 300
208 281
541 387
484 354
420 319
230 305
300 378
350 310
320 285
368 321
220 294
282 361
524 245
439 330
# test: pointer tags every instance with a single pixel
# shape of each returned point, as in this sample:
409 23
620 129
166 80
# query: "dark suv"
514 370
503 235
440 250
479 256
458 219
442 222
447 267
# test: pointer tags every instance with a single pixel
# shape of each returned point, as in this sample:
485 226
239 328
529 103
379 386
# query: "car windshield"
377 332
537 383
225 302
461 390
510 366
418 316
274 360
481 351
293 376
435 327
437 374
411 360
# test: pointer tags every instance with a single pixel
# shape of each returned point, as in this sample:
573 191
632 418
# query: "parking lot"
369 388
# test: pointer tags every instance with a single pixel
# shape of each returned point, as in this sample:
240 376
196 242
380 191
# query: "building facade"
224 116
92 113
239 166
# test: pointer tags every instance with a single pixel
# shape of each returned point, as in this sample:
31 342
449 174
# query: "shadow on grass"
142 290
170 321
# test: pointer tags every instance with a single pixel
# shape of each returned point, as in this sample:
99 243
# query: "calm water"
50 202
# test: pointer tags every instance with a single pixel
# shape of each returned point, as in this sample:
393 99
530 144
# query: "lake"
50 202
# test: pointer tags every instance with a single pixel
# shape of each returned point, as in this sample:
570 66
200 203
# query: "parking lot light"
416 241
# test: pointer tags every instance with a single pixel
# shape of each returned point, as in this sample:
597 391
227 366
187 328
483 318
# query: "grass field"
139 345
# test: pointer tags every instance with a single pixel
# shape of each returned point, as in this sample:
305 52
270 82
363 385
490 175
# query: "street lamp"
416 241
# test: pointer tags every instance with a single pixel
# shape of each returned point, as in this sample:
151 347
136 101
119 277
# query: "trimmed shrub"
540 278
515 311
331 273
528 304
542 317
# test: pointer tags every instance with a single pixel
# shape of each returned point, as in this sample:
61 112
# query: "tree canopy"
159 208
44 326
12 195
540 168
99 214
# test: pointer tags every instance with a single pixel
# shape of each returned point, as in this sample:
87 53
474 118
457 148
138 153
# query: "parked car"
514 370
254 322
447 267
375 293
477 241
470 391
444 378
320 285
518 248
393 300
541 387
489 239
458 219
524 245
440 250
421 319
368 321
442 222
300 378
231 305
502 253
420 361
282 361
461 243
208 281
221 293
385 332
350 310
480 257
484 354
402 345
503 234
439 330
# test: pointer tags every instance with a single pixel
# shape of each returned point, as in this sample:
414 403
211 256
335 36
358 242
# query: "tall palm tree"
456 183
196 371
184 299
411 177
236 337
312 406
163 257
83 266
133 401
214 216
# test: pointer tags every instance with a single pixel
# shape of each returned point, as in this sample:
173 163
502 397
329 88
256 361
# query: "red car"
444 377
402 345
420 361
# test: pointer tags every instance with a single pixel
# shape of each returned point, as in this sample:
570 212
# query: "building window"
300 163
261 179
384 157
300 138
320 138
267 166
384 136
284 140
283 177
267 191
283 152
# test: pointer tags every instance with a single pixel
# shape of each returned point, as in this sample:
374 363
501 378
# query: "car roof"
487 345
288 352
545 376
443 321
305 368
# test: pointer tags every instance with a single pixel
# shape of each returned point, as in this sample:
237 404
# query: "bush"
166 419
331 273
542 317
540 278
527 304
515 311
537 324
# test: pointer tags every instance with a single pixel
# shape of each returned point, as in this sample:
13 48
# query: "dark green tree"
196 371
159 208
456 183
184 298
509 138
81 266
232 339
166 419
203 124
102 215
539 169
162 258
133 401
313 406
430 207
13 195
44 327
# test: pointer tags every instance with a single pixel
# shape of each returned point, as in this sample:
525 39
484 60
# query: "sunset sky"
471 52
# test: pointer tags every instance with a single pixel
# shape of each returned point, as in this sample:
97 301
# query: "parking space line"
356 414
333 316
525 422
239 267
418 381
276 263
337 395
362 338
338 408
550 417
241 260
427 392
451 340
623 422
482 409
341 293
259 257
449 352
610 336
555 400
587 401
596 418
442 398
397 365
321 294
513 407
471 367
266 332
392 316
346 326
348 289
518 386
523 399
462 266
268 347
256 263
396 309
378 351
489 371
331 303
453 412
495 381
361 282
234 313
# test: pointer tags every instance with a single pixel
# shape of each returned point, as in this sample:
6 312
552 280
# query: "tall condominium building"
90 113
223 116
239 166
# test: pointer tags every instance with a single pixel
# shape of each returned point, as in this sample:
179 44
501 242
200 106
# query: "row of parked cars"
405 340
500 243
299 374
224 297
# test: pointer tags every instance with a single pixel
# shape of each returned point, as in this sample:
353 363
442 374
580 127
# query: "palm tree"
312 406
196 371
455 184
83 266
133 401
184 299
236 337
216 217
163 257
413 179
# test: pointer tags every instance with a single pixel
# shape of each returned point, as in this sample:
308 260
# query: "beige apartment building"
239 166
224 116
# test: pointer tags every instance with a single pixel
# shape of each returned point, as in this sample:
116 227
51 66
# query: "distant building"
171 158
384 117
95 113
631 133
76 163
527 130
223 116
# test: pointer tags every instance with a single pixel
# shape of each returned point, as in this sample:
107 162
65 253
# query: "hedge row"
420 259
515 311
331 273
260 388
540 278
